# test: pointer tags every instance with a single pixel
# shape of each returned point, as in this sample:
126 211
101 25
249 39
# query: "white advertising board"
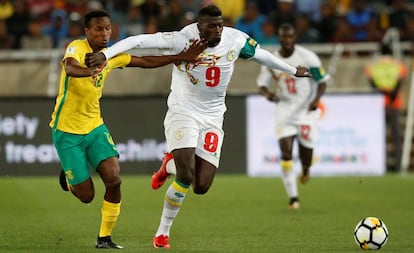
351 137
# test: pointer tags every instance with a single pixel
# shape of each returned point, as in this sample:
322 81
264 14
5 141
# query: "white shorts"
188 129
305 130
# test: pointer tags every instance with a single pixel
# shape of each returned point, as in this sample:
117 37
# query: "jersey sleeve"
249 49
120 61
75 50
166 42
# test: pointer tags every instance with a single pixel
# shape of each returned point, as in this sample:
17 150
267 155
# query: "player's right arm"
263 81
173 41
74 69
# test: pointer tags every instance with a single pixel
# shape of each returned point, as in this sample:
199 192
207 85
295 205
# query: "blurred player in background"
386 75
296 107
196 105
78 131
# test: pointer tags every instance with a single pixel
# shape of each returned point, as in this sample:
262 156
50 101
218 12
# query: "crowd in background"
43 24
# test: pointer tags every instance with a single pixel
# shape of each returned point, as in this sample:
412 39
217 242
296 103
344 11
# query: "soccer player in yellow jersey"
78 130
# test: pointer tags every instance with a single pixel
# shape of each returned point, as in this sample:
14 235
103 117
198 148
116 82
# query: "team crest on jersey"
70 50
230 55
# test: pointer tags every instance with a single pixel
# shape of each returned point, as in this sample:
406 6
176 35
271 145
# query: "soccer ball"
371 233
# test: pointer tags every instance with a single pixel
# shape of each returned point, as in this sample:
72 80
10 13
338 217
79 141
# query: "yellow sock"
110 213
286 165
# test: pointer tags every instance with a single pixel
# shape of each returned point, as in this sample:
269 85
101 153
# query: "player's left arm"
320 78
252 50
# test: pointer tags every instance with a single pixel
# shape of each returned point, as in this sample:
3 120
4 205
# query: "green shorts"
78 151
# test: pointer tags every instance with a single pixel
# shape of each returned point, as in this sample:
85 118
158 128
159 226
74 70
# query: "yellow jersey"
77 108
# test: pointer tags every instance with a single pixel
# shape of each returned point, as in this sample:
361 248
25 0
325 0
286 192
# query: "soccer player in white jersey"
296 111
196 104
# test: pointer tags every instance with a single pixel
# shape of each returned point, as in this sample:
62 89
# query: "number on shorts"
211 142
212 76
305 130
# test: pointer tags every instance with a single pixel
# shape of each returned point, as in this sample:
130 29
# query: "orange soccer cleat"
159 177
161 241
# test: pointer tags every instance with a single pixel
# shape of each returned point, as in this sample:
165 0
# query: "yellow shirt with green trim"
77 108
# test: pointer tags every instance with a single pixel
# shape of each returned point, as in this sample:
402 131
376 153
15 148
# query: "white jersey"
202 86
295 93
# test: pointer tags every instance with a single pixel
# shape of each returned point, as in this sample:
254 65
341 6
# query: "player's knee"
286 156
201 189
114 183
86 197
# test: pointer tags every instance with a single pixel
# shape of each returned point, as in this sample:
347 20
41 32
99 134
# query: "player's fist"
94 59
302 71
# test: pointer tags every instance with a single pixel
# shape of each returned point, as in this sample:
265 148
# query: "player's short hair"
93 14
209 11
286 26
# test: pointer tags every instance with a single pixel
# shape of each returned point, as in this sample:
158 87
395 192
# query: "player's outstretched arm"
192 54
175 41
266 58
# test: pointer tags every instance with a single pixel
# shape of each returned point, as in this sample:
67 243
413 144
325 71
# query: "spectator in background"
134 22
6 40
75 32
173 18
18 23
399 18
6 9
58 28
309 8
150 8
360 17
284 13
341 6
327 24
118 33
386 75
151 26
343 31
36 39
252 21
266 6
306 33
269 36
118 10
41 9
232 9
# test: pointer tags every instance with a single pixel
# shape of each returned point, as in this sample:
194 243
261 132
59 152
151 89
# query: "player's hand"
313 105
271 96
94 59
96 70
302 71
192 54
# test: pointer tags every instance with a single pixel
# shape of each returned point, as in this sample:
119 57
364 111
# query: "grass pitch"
238 214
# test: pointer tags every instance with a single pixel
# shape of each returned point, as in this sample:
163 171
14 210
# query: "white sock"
174 198
289 179
170 167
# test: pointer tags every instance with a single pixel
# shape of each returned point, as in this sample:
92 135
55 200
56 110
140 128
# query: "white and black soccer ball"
371 233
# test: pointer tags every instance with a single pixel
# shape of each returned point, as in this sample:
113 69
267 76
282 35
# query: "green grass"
238 214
